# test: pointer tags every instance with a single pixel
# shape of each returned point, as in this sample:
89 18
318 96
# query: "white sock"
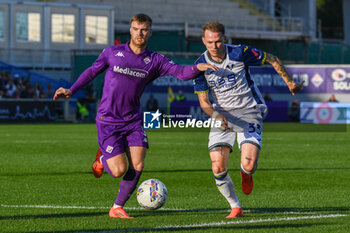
225 186
116 206
101 159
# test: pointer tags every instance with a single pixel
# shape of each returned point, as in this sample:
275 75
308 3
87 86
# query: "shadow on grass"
17 174
164 171
259 221
43 216
227 228
313 210
251 211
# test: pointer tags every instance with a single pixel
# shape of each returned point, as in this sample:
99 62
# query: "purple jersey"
127 75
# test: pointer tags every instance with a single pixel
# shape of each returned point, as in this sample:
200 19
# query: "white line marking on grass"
99 207
223 223
53 207
200 225
140 208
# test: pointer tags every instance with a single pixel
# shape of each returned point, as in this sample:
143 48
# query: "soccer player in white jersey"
238 104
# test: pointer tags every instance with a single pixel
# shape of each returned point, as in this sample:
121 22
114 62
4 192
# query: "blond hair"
142 18
214 27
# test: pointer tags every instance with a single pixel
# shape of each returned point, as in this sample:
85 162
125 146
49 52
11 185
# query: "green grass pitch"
302 183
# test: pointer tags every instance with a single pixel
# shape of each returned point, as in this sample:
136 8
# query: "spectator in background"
2 74
294 111
37 91
8 76
267 97
117 41
16 95
21 88
333 99
3 93
50 92
11 88
180 96
90 102
2 78
28 92
24 80
16 79
82 112
152 104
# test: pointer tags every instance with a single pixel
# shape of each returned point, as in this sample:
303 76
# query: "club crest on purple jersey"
147 60
109 149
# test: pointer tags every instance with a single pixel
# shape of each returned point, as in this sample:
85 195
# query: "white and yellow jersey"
232 87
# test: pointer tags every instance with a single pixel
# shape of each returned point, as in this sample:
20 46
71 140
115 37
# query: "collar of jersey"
127 48
217 61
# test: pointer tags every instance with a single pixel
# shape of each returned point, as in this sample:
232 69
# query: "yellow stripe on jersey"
245 49
201 92
264 59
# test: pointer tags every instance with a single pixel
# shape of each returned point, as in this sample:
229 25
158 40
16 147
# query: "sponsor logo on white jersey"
131 71
119 54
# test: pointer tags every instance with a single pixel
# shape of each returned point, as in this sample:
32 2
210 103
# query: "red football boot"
235 213
97 166
118 213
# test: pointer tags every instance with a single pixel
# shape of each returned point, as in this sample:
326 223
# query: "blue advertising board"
318 79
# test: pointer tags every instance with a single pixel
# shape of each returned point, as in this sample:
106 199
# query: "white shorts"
246 126
228 137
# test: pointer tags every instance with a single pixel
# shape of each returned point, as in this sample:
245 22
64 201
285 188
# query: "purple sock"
105 166
127 186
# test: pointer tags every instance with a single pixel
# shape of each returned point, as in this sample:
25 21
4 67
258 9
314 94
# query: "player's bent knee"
218 169
118 172
139 166
249 168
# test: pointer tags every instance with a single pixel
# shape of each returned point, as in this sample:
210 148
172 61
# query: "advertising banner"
338 80
324 113
28 111
189 109
268 80
318 79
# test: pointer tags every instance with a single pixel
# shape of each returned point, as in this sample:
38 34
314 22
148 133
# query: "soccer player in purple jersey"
238 105
122 141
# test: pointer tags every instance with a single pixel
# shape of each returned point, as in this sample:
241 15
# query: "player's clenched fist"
62 92
295 87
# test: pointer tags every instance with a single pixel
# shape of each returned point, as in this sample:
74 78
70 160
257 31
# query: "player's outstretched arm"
281 70
209 110
206 66
62 93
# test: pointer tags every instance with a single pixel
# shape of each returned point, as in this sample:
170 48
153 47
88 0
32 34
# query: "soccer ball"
152 194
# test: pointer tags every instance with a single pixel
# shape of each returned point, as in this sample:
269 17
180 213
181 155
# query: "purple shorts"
113 139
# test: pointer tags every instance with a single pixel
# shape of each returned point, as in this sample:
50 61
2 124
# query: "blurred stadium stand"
34 78
59 39
283 27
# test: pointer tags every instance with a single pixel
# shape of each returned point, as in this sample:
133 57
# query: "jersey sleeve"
252 56
168 67
90 73
200 83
